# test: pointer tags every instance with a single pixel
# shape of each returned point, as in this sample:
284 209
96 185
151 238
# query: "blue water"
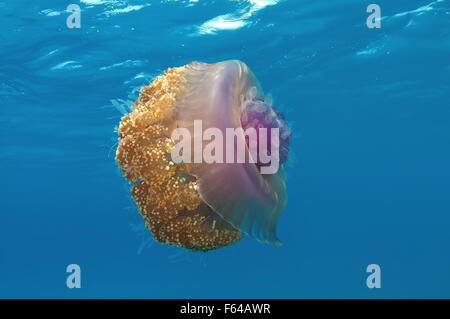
368 177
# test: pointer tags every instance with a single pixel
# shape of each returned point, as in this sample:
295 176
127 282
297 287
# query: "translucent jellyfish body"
201 205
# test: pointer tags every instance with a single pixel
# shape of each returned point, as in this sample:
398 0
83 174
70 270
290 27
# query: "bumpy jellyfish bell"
200 205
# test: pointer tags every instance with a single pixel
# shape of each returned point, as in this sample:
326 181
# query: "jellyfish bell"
204 205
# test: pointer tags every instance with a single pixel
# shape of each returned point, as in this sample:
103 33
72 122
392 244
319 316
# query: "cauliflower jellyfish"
202 205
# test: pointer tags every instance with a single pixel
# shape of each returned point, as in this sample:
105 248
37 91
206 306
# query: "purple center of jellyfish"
259 114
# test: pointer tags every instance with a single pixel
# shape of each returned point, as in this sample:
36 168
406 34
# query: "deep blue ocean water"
369 173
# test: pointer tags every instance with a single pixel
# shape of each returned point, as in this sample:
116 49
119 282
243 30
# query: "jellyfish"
195 205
